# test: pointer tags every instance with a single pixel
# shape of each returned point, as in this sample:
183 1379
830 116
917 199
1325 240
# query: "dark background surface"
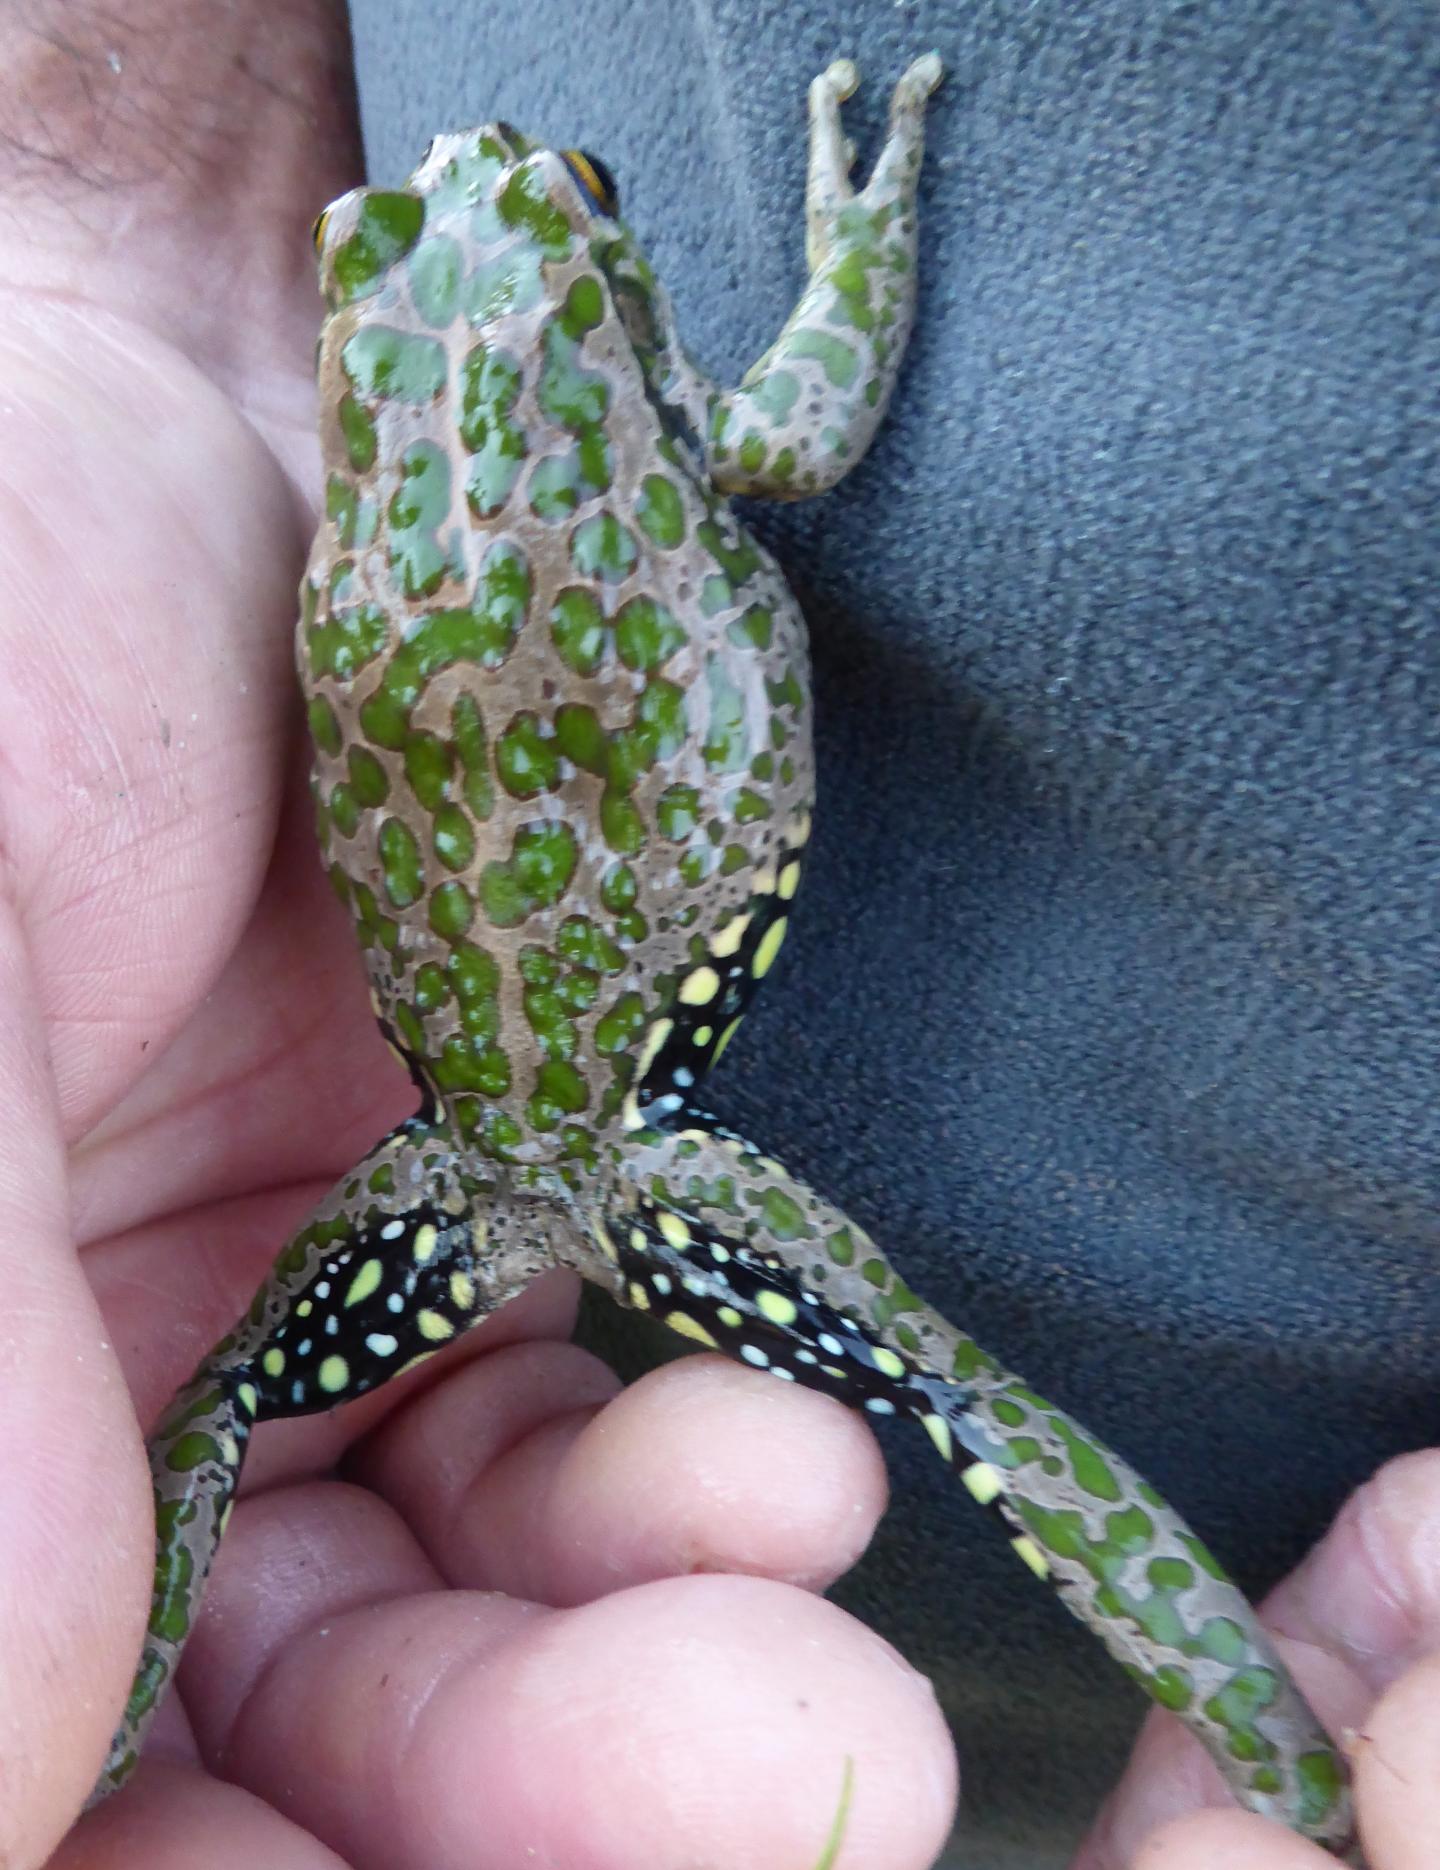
1110 1003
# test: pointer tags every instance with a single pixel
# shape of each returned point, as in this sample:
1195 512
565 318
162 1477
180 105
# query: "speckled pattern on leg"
563 778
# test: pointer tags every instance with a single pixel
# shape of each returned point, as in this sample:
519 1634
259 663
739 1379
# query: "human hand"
1359 1624
497 1632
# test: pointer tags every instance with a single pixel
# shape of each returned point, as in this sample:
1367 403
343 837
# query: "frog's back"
559 698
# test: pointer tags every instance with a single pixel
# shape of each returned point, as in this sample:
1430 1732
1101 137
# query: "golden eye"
595 179
317 232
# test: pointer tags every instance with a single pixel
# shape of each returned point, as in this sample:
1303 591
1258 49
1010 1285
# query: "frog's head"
491 188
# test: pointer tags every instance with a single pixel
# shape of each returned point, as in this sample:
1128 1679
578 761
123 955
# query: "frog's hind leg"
727 1248
394 1264
807 411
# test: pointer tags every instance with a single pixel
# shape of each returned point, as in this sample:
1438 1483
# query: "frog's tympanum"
560 706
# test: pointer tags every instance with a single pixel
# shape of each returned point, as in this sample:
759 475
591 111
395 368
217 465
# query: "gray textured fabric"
1110 1002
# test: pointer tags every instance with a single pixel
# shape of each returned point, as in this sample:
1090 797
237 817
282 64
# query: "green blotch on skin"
619 888
1235 1707
576 398
581 738
754 629
524 204
752 452
782 1215
526 759
474 974
354 518
429 765
483 632
324 727
381 1181
677 812
387 225
579 991
342 644
898 1299
537 966
418 507
367 777
490 382
400 863
1201 1554
727 745
412 1033
468 1065
453 838
388 365
971 1361
733 859
432 989
436 268
1172 1688
660 512
467 734
451 910
1087 1463
646 634
876 1272
621 824
344 810
578 627
749 807
774 394
1321 1783
358 432
1222 1639
716 594
841 1247
694 868
191 1451
786 693
582 944
550 1022
600 547
544 860
737 558
508 284
619 1028
835 357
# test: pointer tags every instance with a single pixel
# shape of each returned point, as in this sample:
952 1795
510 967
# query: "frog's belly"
537 845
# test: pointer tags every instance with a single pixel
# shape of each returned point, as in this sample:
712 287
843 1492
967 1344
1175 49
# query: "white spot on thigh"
879 1405
753 1354
382 1344
392 1230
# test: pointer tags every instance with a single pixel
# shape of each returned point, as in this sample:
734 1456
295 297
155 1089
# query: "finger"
1236 1840
526 1473
1397 1773
701 1719
173 1818
73 1499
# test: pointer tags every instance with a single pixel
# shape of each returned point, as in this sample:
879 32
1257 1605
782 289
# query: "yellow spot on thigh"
364 1282
727 942
602 1235
1026 1549
725 1038
304 1308
420 1357
704 1034
478 1231
249 1398
654 1041
229 1450
462 1292
689 1327
770 944
789 880
729 1317
983 1481
674 1229
425 1241
800 830
699 988
887 1362
334 1374
434 1327
639 1297
776 1307
938 1429
273 1363
638 1240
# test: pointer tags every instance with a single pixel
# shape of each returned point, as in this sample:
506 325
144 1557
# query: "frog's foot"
397 1261
727 1248
806 412
195 1459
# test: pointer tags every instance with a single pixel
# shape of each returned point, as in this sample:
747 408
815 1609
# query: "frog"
559 705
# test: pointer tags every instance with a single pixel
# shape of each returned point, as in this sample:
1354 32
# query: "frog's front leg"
407 1252
727 1248
806 412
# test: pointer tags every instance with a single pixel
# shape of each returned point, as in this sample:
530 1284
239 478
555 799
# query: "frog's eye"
317 232
595 179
